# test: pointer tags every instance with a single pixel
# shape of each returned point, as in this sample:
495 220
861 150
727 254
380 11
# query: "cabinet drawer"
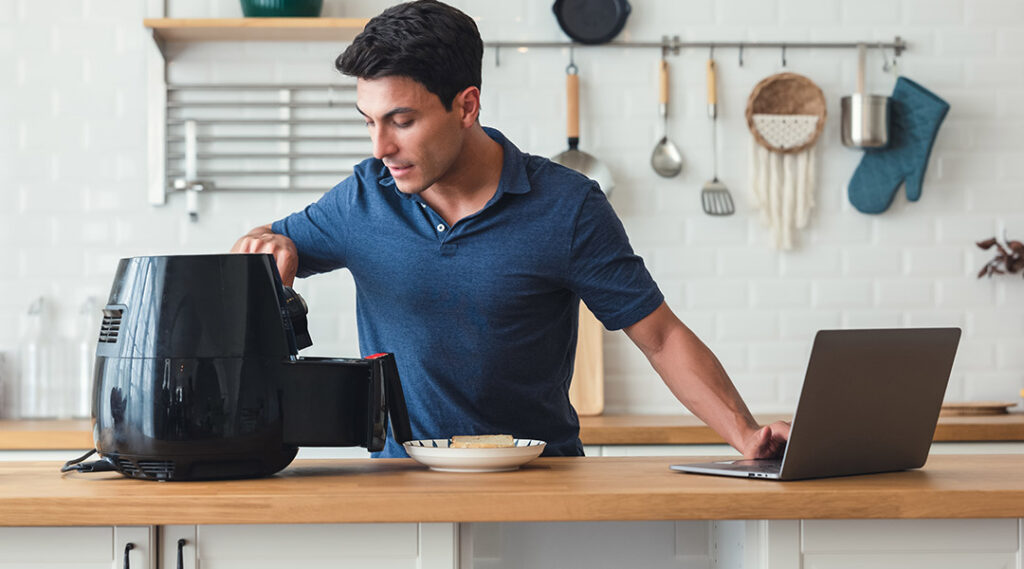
294 542
871 536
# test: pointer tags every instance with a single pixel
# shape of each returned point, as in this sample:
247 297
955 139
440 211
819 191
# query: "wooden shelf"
256 29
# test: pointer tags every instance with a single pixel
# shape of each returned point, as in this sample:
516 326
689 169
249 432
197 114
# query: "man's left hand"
768 441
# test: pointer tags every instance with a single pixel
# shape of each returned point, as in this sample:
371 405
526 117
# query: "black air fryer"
197 374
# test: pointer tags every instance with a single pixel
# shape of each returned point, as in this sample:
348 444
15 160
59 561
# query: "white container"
83 358
37 364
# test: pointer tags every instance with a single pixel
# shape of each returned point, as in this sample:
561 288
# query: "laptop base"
742 468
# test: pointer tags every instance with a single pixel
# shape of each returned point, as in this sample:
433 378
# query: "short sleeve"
603 269
319 230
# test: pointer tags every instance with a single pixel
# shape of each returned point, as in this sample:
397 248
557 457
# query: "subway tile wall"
73 176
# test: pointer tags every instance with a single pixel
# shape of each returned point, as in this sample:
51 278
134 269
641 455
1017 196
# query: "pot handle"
862 51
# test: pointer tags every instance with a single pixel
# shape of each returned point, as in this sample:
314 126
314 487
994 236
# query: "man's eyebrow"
392 112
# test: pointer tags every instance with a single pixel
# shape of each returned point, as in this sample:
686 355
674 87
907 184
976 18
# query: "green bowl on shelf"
282 8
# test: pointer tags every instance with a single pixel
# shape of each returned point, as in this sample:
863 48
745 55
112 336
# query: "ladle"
666 159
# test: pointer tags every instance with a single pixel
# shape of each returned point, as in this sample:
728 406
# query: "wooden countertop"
599 430
547 489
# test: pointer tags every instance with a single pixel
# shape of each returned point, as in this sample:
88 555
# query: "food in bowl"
482 441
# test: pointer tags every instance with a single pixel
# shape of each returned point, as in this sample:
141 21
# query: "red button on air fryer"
375 356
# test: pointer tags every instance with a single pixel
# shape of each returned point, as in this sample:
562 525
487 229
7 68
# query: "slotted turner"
715 197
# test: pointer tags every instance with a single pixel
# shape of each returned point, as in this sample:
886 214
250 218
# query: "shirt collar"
513 167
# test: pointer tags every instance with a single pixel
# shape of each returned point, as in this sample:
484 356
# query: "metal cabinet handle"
128 547
181 561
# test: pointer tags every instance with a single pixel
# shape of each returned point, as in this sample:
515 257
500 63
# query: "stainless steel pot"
864 118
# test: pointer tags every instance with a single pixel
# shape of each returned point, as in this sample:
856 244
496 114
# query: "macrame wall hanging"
785 114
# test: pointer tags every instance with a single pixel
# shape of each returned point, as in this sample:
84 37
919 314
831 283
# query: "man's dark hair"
427 41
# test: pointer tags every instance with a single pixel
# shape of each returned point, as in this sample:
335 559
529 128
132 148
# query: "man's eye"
369 124
405 124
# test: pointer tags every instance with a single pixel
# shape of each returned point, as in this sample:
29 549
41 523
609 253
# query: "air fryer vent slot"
111 326
158 469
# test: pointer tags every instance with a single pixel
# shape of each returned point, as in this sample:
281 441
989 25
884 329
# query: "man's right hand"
263 240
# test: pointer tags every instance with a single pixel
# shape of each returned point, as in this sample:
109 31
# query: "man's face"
412 133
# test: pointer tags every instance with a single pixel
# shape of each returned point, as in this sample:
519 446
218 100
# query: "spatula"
715 197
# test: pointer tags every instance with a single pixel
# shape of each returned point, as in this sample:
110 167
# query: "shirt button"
440 227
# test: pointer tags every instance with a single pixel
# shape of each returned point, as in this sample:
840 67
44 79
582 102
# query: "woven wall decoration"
785 114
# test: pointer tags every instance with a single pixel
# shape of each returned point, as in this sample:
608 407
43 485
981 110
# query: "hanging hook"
885 60
783 55
741 54
571 69
711 51
497 59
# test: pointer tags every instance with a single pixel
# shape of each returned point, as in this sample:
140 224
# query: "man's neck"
472 180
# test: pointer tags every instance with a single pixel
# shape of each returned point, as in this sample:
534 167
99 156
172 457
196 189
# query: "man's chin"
408 189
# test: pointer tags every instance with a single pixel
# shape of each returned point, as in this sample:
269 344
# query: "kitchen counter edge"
547 489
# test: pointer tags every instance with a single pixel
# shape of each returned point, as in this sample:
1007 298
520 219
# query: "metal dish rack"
260 138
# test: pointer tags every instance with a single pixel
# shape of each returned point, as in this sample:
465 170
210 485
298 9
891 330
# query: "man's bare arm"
699 381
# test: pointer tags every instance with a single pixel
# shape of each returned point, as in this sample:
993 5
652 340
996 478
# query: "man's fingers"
780 428
770 440
264 240
764 436
287 266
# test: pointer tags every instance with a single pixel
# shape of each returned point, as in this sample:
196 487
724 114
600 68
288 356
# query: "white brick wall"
73 174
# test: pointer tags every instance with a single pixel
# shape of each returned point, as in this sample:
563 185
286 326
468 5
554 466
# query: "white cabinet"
594 545
101 547
883 544
310 546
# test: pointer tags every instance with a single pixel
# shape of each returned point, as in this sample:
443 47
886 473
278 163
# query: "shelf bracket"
161 45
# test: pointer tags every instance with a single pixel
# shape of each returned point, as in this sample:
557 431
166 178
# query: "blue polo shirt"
482 315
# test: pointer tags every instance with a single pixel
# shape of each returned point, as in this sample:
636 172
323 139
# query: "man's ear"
467 103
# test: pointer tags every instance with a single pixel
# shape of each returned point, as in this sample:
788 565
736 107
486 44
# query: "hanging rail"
673 44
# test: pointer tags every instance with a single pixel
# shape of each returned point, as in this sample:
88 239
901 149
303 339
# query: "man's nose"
383 144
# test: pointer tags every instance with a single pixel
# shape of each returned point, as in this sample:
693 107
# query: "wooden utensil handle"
572 90
712 87
663 82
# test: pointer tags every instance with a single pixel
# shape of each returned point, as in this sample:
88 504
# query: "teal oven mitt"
915 116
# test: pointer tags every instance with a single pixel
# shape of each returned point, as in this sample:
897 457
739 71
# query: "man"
470 257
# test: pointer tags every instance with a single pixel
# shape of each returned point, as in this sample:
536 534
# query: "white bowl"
439 455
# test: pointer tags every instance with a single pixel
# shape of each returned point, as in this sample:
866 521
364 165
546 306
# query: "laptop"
870 403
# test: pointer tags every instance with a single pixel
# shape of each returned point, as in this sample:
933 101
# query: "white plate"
438 455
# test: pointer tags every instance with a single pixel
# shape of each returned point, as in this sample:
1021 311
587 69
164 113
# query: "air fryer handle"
296 310
394 397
